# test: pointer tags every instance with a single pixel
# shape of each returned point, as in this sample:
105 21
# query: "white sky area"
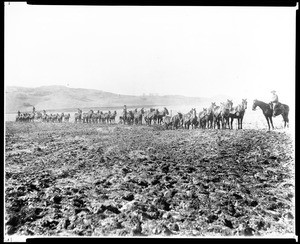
192 51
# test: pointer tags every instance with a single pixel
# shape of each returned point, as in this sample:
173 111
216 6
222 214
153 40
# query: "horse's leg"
271 120
241 122
284 119
267 118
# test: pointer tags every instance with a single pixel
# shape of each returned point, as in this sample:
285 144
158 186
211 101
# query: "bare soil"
115 180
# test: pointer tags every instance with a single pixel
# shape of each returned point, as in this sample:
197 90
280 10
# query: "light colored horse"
202 118
187 118
238 113
138 116
161 115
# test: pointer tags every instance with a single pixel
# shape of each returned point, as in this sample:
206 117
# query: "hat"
273 91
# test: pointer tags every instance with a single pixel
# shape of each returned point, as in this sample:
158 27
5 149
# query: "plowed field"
105 180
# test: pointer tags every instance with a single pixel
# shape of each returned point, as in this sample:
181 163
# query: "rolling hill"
62 97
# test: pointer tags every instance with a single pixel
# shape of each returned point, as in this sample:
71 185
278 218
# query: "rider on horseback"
274 101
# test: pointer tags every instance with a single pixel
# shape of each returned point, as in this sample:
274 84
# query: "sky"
135 50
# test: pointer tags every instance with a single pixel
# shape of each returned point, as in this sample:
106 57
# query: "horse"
95 117
24 117
146 114
38 115
44 116
225 112
87 117
202 118
238 113
60 117
130 117
78 115
53 117
105 117
282 109
123 117
186 120
138 116
217 116
161 115
177 120
18 116
167 120
194 119
28 117
151 116
67 117
112 117
190 119
266 109
210 115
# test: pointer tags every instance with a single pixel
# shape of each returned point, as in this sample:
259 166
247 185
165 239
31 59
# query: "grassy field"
105 180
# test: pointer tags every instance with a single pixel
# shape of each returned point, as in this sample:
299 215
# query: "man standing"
274 101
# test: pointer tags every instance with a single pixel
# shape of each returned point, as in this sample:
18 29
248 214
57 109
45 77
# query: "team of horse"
42 116
95 117
215 116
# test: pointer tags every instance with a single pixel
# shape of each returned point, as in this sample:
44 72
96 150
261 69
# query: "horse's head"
166 111
142 111
194 111
180 115
254 104
213 104
229 104
135 110
244 103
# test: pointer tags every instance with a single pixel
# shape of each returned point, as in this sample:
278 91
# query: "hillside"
62 97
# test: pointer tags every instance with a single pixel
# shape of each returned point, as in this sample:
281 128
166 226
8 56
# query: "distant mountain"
62 97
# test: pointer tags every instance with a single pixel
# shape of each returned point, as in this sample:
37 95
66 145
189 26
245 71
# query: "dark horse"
267 111
282 109
238 113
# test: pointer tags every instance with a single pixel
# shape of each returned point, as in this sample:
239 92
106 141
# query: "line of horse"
42 116
215 116
95 117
